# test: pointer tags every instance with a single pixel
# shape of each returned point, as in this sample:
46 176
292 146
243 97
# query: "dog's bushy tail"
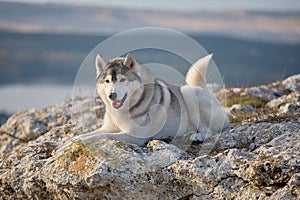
196 76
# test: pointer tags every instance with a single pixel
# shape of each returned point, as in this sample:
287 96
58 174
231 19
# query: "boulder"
293 97
258 158
238 107
292 83
264 92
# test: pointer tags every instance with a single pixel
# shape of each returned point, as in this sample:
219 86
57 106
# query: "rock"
286 103
259 158
271 91
290 98
292 83
30 124
238 107
263 92
289 107
110 169
291 191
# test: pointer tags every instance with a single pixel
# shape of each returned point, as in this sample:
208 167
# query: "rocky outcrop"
258 157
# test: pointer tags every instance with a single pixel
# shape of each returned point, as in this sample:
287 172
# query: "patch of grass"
239 116
262 115
244 100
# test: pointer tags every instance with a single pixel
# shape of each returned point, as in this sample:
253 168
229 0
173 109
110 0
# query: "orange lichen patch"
81 165
78 159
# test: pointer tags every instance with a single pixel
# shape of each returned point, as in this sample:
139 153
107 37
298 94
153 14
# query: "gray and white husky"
141 107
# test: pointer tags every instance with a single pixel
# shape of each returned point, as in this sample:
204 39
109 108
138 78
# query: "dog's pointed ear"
100 64
129 61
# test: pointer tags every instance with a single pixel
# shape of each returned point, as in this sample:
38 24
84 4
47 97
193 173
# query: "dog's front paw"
89 138
68 145
61 150
198 137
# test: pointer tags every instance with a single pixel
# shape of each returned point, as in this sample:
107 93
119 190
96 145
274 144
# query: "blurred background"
43 42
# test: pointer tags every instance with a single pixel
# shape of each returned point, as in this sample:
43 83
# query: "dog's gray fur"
140 107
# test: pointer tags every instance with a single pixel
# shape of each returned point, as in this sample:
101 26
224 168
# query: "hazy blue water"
15 97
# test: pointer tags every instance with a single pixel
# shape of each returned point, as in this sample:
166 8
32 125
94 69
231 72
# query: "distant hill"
65 18
26 58
34 58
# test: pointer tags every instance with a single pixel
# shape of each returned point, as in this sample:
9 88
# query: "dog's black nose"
113 96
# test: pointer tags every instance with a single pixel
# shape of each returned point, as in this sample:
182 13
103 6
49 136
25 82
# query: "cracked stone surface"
258 158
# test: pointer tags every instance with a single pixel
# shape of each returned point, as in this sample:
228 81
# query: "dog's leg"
202 133
99 135
120 136
108 125
211 113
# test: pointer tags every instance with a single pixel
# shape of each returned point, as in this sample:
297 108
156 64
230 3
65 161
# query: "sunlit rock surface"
257 157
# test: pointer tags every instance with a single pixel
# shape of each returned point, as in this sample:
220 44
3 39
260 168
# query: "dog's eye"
107 81
122 79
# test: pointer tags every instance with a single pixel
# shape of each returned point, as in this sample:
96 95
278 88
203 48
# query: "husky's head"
117 80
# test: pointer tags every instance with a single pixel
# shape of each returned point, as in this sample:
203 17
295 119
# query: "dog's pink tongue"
116 104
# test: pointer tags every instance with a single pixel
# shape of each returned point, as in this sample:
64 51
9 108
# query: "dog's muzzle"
118 104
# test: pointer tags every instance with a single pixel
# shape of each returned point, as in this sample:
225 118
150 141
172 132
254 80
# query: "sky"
187 5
